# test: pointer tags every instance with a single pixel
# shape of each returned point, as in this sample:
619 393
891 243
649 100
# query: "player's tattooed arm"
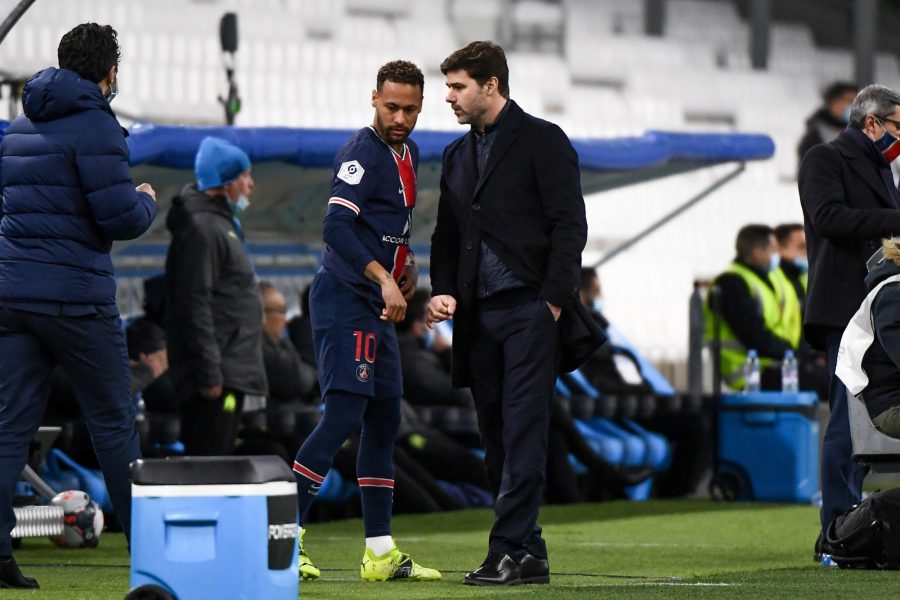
394 305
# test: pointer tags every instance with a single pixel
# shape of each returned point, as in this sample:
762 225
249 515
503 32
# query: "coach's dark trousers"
514 358
842 478
92 352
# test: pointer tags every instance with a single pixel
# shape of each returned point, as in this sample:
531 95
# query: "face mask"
597 305
428 340
113 90
774 261
846 116
802 263
887 144
241 205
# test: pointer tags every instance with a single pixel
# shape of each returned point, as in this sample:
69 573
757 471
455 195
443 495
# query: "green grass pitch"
660 549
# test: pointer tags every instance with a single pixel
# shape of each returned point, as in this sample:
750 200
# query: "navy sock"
342 418
375 464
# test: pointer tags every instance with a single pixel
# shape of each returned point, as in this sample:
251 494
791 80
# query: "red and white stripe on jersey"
345 203
375 482
407 176
308 473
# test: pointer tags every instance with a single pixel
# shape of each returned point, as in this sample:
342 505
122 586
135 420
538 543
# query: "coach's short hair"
400 71
90 50
751 237
877 100
481 60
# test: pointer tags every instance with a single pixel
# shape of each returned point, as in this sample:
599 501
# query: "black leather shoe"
497 569
534 570
11 576
501 569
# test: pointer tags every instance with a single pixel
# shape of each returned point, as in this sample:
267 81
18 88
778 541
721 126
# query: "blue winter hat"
218 162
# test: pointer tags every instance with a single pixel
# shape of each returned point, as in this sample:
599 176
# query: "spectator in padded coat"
66 193
214 312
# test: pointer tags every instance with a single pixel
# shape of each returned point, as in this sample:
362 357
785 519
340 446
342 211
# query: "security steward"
754 311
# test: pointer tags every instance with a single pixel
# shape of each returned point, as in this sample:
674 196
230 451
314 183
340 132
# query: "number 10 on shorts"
365 346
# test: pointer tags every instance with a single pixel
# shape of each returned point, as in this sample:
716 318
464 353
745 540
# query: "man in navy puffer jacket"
66 192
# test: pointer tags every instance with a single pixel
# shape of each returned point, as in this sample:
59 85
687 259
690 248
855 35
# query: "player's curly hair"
90 50
481 61
400 71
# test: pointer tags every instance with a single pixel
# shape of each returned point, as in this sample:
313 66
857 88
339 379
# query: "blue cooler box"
214 528
769 445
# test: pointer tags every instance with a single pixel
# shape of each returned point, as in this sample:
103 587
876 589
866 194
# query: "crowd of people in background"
436 470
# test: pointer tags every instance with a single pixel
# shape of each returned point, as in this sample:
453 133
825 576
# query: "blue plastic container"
215 527
770 442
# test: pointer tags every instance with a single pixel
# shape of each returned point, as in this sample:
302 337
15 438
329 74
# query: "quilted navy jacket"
66 192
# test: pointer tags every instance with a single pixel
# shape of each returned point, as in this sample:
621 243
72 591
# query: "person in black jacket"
214 311
67 194
830 119
425 380
849 202
505 262
289 377
299 330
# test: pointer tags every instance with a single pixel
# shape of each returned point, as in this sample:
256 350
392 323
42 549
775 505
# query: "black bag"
868 535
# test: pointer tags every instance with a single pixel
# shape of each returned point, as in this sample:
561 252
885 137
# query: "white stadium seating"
585 64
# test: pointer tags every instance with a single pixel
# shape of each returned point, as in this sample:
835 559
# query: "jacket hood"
886 269
190 202
55 93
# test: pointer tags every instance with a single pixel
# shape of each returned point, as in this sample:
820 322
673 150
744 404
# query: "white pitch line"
684 584
648 545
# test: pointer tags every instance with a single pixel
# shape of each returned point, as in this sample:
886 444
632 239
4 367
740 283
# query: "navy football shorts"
356 351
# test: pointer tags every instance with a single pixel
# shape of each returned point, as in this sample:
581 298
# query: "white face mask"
113 90
774 261
241 205
597 305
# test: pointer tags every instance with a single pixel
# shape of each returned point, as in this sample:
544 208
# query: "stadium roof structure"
293 166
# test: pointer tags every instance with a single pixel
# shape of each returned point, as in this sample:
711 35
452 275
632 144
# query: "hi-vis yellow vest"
771 306
791 315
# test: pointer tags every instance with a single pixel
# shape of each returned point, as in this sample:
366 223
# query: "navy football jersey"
377 186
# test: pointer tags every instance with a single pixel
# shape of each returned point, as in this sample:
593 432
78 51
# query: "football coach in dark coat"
66 195
849 203
505 264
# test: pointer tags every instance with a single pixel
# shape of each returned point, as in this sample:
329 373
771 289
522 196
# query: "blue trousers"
92 352
842 478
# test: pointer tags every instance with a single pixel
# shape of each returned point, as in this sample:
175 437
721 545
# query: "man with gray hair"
850 201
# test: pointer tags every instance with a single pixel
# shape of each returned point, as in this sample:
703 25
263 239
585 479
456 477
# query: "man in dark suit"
505 264
850 202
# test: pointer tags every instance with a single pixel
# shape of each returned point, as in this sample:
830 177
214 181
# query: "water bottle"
828 562
790 383
751 372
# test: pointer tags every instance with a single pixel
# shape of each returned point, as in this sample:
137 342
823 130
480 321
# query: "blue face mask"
774 262
113 91
802 263
597 305
846 116
241 205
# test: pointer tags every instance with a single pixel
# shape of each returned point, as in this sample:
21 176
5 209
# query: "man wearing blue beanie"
214 309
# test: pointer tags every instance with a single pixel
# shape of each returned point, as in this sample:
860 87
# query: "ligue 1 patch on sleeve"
351 172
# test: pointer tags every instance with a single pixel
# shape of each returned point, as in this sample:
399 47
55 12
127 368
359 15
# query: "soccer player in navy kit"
358 294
